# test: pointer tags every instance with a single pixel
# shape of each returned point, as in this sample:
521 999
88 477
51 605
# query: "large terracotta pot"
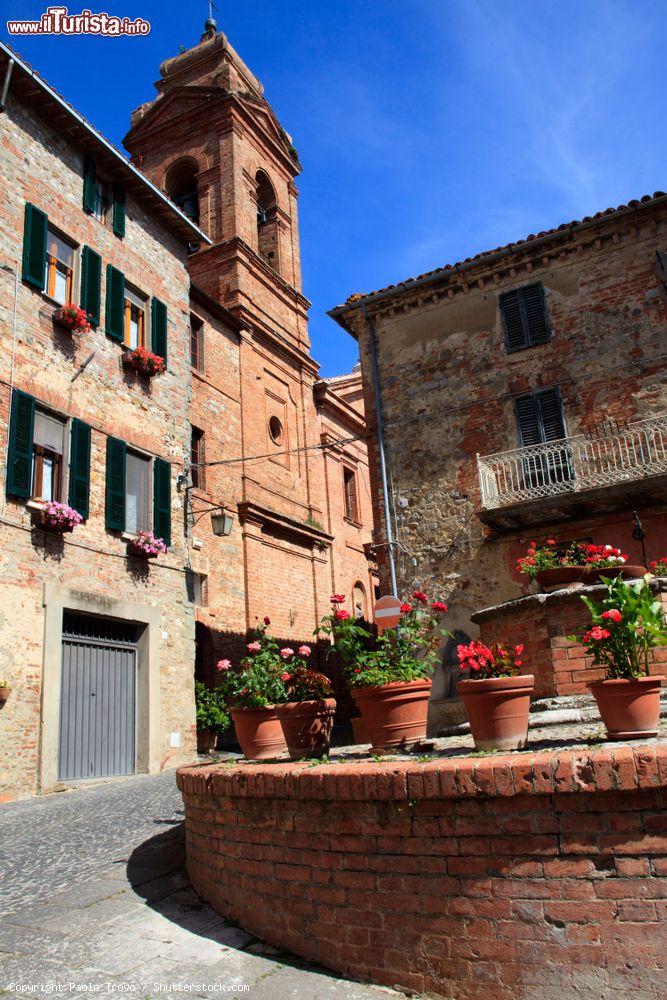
206 740
4 694
562 577
394 715
629 709
497 709
259 732
359 730
307 726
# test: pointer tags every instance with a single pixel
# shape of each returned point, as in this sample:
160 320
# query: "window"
276 431
181 186
58 268
525 318
196 343
197 458
47 456
101 200
350 495
267 219
540 419
135 319
137 492
196 585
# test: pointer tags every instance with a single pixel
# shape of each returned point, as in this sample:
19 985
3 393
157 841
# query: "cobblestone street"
94 892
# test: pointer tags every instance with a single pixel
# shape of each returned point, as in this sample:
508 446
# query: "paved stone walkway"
94 899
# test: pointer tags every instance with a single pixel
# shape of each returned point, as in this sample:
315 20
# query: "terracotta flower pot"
359 730
497 709
562 577
629 709
307 726
206 740
394 715
259 732
4 694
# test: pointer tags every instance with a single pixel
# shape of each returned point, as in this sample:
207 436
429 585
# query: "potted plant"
659 567
5 691
252 690
59 517
307 715
556 565
390 683
144 362
496 696
625 625
72 318
145 545
212 717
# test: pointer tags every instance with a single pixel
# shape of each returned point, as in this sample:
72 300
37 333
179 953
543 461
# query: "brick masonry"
528 877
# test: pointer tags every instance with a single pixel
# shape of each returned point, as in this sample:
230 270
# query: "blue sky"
428 129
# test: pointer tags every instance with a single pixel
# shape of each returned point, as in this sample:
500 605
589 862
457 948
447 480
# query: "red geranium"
419 595
342 615
337 598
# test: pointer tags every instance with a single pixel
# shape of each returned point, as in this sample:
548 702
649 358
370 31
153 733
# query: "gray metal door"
98 698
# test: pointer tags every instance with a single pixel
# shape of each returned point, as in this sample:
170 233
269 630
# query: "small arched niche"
267 220
360 601
181 186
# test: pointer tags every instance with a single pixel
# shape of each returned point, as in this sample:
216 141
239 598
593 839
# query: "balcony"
575 477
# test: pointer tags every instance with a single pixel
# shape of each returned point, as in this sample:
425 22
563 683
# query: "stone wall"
522 877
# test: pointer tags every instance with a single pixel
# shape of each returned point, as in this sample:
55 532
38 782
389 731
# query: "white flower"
621 559
609 547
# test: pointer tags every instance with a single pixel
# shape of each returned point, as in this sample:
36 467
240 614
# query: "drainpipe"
5 86
383 462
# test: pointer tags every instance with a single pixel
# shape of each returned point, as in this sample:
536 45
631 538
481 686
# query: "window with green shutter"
79 468
162 500
35 231
115 304
525 317
159 328
115 485
19 450
119 210
89 192
91 284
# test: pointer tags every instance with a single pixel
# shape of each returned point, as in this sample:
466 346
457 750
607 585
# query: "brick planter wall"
518 876
543 622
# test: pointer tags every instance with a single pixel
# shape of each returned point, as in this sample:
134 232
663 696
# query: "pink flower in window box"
146 545
57 516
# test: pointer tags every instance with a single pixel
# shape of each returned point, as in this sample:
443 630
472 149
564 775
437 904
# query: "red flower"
406 608
267 621
337 598
613 615
419 595
597 634
551 541
342 615
286 677
439 606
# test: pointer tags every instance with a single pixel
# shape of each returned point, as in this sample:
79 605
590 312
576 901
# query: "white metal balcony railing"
572 464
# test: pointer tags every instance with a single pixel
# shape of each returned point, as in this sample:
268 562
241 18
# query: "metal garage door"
98 698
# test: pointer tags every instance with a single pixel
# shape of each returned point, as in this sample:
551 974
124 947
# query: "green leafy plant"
303 684
659 567
625 625
256 682
211 709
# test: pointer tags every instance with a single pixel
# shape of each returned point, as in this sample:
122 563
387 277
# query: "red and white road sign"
387 612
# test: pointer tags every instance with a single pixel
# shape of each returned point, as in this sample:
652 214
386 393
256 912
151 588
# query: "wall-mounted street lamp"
222 523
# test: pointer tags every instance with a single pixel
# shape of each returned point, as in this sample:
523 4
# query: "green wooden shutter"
159 328
535 314
528 419
79 468
88 185
19 451
115 485
162 500
35 229
91 284
115 304
119 210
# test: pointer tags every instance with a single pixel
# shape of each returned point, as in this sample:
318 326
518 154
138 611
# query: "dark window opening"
196 344
350 495
525 317
276 432
181 186
197 458
267 219
541 420
196 585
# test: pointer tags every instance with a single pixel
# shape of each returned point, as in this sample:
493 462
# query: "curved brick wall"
518 876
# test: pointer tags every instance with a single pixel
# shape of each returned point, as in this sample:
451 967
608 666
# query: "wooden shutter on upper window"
35 229
162 500
91 284
115 304
79 468
19 450
528 419
515 334
88 185
551 413
119 210
524 317
159 328
115 485
535 313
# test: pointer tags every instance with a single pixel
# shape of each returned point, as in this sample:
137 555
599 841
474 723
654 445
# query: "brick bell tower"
211 141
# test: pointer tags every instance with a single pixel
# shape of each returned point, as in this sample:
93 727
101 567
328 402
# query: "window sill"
351 520
35 504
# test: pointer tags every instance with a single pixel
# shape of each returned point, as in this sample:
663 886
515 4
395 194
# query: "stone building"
253 469
96 645
522 396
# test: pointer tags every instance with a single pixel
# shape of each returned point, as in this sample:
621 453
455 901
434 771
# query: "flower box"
143 362
57 517
145 545
72 318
